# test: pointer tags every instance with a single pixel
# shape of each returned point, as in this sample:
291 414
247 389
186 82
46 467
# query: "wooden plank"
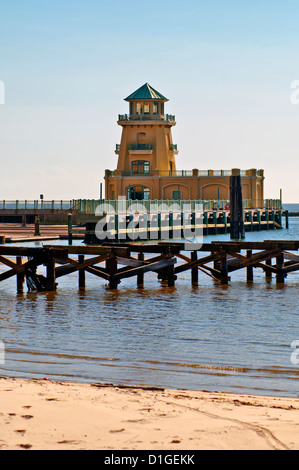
79 250
291 268
136 263
21 268
162 247
266 266
290 256
75 265
130 261
98 272
199 262
7 262
263 245
19 251
88 262
164 263
254 260
214 274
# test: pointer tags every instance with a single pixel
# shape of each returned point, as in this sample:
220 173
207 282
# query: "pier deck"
113 262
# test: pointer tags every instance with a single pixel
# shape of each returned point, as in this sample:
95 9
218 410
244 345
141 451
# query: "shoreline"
40 414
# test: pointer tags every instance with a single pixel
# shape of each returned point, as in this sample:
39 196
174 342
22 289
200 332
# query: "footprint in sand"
20 431
25 446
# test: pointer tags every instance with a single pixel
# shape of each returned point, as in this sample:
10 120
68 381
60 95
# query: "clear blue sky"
67 65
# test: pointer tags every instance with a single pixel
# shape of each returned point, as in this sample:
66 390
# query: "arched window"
140 167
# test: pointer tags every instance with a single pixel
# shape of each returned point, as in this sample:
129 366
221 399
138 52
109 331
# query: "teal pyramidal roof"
146 92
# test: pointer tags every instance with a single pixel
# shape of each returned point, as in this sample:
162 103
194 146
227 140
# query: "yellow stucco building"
146 167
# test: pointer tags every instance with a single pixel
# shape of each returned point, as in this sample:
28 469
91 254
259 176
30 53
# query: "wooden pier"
173 225
114 262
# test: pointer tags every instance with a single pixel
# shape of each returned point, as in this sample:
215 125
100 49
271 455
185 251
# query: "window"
146 108
162 108
139 108
140 167
141 138
155 108
138 193
176 195
131 108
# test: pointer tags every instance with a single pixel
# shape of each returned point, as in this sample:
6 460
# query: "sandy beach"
41 414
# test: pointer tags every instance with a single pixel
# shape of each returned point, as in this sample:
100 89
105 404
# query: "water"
291 207
234 338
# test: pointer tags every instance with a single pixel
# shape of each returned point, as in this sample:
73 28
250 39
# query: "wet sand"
41 414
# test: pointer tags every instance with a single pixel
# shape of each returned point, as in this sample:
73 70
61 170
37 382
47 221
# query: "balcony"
140 149
146 117
140 146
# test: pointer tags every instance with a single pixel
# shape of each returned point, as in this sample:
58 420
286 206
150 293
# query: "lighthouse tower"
146 147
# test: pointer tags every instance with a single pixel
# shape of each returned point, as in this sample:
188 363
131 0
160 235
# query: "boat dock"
113 262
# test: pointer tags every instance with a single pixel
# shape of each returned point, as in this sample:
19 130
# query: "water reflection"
233 338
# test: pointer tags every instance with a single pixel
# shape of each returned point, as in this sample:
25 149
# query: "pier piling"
249 269
81 273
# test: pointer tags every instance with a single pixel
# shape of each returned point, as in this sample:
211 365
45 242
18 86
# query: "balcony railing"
175 173
90 205
140 146
132 173
146 117
194 172
156 205
37 205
